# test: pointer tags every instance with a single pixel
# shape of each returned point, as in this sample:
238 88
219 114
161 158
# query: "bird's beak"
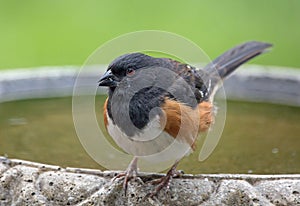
108 80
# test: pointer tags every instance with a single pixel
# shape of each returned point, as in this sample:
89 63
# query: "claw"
128 174
165 181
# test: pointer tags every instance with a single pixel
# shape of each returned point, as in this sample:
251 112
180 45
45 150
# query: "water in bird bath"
258 138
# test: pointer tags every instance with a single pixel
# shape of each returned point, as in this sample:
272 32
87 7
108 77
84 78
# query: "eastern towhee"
147 94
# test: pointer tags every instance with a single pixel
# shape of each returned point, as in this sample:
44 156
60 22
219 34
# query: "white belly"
151 143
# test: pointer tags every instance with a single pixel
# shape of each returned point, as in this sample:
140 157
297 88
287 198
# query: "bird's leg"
129 173
165 181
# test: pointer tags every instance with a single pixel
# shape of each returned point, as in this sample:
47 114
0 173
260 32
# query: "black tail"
229 61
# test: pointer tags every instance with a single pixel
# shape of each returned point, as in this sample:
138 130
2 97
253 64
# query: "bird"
162 96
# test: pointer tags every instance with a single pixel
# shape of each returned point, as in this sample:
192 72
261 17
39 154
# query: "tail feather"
229 61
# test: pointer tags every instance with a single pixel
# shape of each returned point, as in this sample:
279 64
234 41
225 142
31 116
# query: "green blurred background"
55 32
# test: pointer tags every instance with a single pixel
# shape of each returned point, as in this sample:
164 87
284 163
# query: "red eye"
130 72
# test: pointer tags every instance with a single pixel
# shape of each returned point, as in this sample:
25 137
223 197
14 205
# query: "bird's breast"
151 140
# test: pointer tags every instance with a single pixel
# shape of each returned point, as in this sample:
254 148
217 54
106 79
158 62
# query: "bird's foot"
129 173
165 181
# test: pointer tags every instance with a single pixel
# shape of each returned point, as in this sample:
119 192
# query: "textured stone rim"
29 183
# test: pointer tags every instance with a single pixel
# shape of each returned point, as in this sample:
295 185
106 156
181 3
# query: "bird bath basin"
261 138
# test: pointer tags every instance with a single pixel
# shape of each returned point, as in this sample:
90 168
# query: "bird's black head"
124 66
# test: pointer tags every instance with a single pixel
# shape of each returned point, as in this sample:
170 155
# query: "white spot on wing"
201 93
209 85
